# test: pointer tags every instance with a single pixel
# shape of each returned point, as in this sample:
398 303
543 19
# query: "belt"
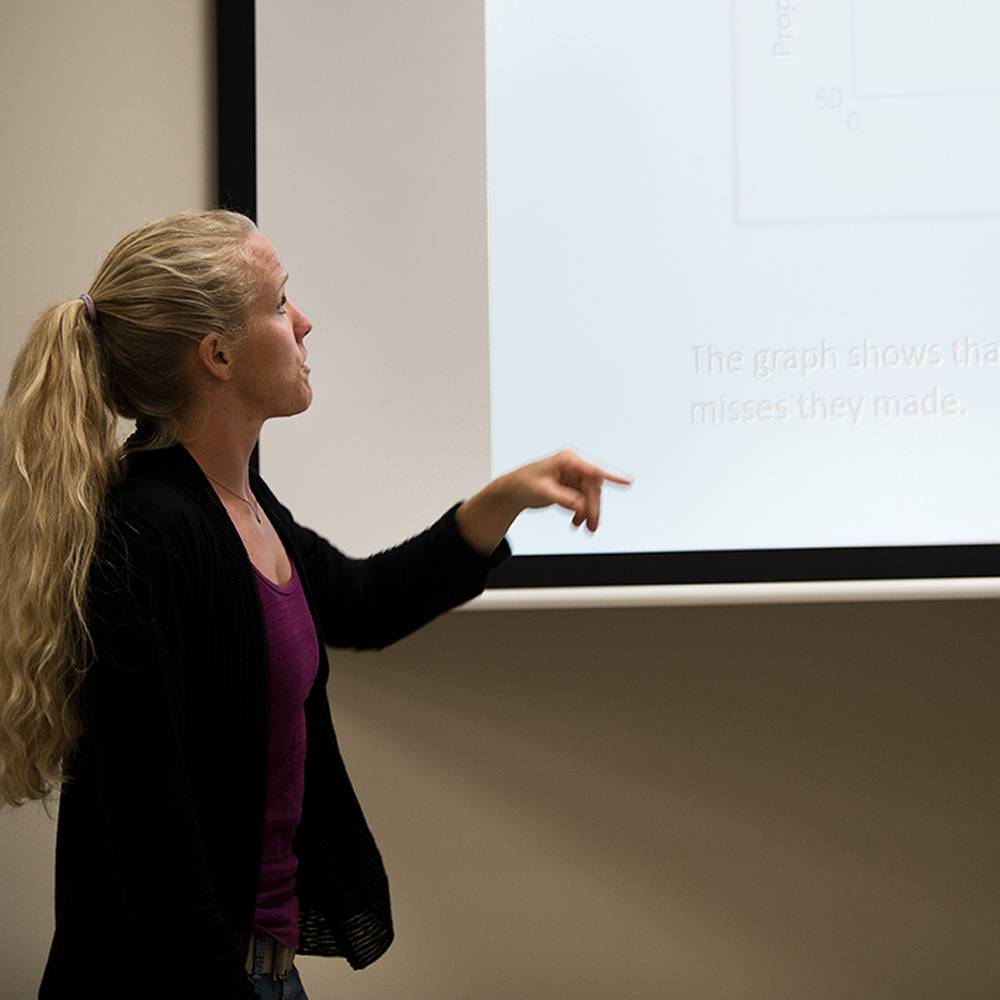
268 956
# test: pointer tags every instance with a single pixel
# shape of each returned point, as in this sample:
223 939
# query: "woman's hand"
564 478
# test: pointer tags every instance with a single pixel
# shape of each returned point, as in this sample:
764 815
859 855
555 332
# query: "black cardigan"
160 825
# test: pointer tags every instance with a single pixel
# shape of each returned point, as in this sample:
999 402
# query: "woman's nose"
302 324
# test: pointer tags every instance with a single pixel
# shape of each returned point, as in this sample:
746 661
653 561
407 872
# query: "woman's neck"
223 453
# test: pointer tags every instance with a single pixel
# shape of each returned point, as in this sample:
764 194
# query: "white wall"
740 803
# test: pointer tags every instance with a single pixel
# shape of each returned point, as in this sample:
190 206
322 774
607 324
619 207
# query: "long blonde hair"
159 290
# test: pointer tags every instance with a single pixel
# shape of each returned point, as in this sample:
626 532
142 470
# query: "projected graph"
925 50
865 110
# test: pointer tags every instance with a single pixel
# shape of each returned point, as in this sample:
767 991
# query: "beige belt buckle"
283 958
277 958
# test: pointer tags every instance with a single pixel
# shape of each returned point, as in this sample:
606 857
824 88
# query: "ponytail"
122 354
58 457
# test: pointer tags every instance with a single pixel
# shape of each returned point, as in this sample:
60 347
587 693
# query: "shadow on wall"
701 803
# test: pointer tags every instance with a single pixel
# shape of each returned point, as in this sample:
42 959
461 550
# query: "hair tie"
91 311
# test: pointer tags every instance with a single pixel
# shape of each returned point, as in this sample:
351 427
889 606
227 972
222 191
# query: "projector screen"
742 252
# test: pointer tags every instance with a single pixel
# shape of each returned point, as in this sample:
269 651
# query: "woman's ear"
215 356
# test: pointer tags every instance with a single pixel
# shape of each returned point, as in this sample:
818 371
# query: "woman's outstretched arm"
371 602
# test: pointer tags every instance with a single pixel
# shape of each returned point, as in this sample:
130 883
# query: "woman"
164 624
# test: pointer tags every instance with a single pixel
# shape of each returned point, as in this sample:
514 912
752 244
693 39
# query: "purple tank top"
293 662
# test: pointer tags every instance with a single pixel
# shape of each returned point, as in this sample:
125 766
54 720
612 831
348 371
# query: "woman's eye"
281 303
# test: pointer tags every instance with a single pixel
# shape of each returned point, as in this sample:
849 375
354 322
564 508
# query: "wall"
741 803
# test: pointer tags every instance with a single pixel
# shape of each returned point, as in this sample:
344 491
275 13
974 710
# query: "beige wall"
740 803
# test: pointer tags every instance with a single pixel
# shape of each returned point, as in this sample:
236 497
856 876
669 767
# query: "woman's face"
270 369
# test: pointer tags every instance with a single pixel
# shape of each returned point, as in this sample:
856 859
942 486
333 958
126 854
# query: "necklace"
256 512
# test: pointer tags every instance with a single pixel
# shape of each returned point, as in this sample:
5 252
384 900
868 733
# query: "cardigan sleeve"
371 602
147 824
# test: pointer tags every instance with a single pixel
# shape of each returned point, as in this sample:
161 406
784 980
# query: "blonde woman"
164 623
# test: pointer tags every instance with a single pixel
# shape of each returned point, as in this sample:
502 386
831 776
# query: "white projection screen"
743 252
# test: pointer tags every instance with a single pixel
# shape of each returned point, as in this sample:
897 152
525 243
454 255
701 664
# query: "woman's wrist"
485 518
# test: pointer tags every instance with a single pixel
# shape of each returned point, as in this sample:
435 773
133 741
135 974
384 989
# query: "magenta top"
293 662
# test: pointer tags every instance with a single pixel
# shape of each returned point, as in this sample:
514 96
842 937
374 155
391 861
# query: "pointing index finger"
589 470
613 478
